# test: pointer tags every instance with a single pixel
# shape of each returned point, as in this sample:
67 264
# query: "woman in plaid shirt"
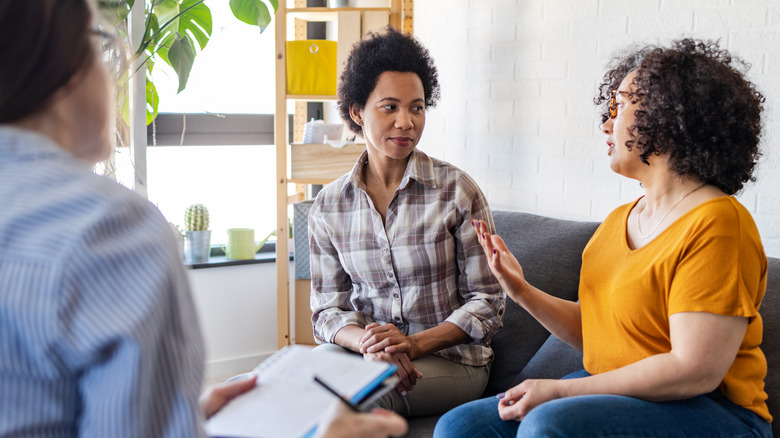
398 274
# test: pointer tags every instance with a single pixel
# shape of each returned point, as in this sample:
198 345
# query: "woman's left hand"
518 401
389 338
217 396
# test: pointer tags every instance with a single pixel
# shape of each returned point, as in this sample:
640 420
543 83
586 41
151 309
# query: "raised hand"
502 262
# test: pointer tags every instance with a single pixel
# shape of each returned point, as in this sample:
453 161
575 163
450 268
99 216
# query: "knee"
449 424
468 420
545 420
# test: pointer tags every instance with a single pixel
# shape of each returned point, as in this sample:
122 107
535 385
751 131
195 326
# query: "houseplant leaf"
170 27
115 11
152 102
193 19
253 12
196 21
181 56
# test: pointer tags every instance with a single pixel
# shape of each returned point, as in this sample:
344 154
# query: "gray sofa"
550 251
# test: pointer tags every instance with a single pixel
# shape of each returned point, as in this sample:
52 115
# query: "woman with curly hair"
397 272
671 283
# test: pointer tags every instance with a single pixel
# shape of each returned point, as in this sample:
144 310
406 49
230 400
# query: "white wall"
237 310
518 79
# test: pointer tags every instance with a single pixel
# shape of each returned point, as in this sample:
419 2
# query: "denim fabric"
710 415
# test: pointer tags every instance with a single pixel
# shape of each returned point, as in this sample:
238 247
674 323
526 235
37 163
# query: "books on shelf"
287 402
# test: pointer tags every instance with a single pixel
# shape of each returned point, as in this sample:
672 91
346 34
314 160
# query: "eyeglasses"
612 105
111 52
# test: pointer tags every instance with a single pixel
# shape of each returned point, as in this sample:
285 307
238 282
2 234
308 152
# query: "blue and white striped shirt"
98 332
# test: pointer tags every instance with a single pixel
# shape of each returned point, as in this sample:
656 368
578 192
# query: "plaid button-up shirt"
422 267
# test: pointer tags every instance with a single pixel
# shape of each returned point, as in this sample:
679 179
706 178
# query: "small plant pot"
197 246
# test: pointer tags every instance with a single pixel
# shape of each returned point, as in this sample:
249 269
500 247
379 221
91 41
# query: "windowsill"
217 259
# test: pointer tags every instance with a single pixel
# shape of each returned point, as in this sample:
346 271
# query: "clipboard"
288 403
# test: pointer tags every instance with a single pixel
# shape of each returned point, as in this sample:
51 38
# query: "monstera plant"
175 31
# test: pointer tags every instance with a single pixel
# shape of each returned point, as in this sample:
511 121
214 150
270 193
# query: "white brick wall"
518 79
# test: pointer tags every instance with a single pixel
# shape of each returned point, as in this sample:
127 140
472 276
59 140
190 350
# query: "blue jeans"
711 415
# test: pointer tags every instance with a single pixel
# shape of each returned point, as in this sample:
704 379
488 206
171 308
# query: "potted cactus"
197 243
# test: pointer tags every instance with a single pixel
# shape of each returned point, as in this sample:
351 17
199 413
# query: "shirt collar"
419 168
21 144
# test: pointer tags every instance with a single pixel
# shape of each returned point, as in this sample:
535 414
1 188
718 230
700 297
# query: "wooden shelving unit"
321 163
302 164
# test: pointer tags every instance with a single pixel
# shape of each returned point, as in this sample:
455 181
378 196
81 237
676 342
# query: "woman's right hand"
502 262
340 422
404 368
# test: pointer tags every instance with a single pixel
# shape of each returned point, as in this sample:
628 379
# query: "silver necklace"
639 226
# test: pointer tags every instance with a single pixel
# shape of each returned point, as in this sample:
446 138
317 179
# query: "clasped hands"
387 343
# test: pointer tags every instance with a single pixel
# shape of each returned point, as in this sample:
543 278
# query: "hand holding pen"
353 423
351 405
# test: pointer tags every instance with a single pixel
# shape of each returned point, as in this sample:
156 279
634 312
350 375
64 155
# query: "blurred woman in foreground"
98 332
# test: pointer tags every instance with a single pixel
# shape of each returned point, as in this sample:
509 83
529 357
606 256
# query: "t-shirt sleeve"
722 268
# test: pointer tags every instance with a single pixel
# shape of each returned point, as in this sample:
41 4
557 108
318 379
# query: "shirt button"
395 295
398 318
384 250
390 274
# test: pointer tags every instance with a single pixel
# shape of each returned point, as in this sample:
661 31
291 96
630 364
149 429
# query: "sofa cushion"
554 360
770 314
550 251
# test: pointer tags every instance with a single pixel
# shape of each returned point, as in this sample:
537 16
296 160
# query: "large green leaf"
253 12
172 25
196 21
192 20
181 56
115 11
176 31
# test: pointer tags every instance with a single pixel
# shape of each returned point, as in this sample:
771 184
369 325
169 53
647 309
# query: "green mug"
241 244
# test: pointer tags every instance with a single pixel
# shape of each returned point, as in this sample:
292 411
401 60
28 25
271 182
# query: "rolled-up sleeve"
482 312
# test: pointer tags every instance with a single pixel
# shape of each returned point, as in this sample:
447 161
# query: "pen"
341 397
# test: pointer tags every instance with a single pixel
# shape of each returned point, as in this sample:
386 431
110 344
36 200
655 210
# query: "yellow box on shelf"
311 67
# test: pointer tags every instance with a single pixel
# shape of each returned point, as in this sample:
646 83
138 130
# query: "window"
213 143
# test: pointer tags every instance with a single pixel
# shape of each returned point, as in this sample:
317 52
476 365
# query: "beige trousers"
445 385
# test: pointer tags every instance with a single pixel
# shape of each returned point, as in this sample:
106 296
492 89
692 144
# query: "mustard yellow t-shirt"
709 260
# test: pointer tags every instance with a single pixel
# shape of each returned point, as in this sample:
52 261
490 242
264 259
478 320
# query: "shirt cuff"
469 324
329 324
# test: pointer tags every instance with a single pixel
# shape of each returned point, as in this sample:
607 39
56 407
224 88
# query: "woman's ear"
355 114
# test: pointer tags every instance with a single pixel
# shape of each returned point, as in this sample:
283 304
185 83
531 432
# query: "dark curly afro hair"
389 51
694 104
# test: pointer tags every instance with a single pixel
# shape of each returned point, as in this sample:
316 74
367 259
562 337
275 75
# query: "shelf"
321 163
327 14
312 97
314 163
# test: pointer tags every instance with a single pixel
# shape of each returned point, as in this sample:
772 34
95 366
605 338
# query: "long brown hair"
44 44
